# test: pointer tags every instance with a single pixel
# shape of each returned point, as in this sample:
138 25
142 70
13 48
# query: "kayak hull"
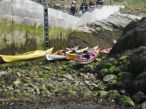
72 56
26 56
55 57
86 58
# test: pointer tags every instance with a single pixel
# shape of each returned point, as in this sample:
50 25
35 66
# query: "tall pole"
46 31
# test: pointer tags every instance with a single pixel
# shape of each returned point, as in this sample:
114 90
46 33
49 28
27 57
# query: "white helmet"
74 2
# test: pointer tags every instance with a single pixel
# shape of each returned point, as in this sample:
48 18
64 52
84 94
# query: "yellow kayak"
72 56
26 56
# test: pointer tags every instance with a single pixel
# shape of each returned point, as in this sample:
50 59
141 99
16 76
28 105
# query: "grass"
139 5
131 5
59 33
7 26
13 31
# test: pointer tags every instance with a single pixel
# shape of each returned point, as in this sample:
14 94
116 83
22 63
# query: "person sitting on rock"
86 54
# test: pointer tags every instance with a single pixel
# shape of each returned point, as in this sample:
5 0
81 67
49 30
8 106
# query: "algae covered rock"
113 95
125 100
108 78
134 36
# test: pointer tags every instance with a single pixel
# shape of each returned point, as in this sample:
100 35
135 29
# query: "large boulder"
127 62
136 67
134 36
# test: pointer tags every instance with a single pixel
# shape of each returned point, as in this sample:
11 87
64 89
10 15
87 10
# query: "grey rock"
69 77
3 73
143 106
133 37
109 77
137 97
29 12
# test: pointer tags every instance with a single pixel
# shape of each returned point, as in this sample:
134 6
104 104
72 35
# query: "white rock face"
26 11
100 13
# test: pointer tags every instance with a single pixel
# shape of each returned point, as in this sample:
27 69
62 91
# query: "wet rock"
94 86
102 93
85 29
122 75
91 85
140 81
141 75
10 88
143 106
69 77
88 68
86 76
37 90
3 72
138 97
91 76
137 61
17 82
85 39
134 24
117 21
133 37
125 100
61 79
113 95
108 78
112 69
123 58
103 71
19 74
101 86
130 50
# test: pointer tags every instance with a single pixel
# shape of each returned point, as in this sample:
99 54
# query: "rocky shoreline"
116 79
31 82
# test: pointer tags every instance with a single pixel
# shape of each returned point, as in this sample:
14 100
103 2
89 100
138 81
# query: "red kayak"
87 57
106 50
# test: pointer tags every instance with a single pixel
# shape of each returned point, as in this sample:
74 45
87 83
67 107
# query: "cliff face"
27 12
19 41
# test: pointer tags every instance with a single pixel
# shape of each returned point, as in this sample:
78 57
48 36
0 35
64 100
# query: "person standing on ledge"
73 8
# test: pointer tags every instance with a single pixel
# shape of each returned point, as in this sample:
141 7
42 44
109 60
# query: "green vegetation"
132 5
59 33
20 36
126 100
139 5
33 79
7 26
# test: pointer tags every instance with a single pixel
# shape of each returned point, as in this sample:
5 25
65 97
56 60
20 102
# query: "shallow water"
71 105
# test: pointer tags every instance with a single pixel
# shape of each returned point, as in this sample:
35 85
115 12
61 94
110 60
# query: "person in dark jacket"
73 8
84 6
